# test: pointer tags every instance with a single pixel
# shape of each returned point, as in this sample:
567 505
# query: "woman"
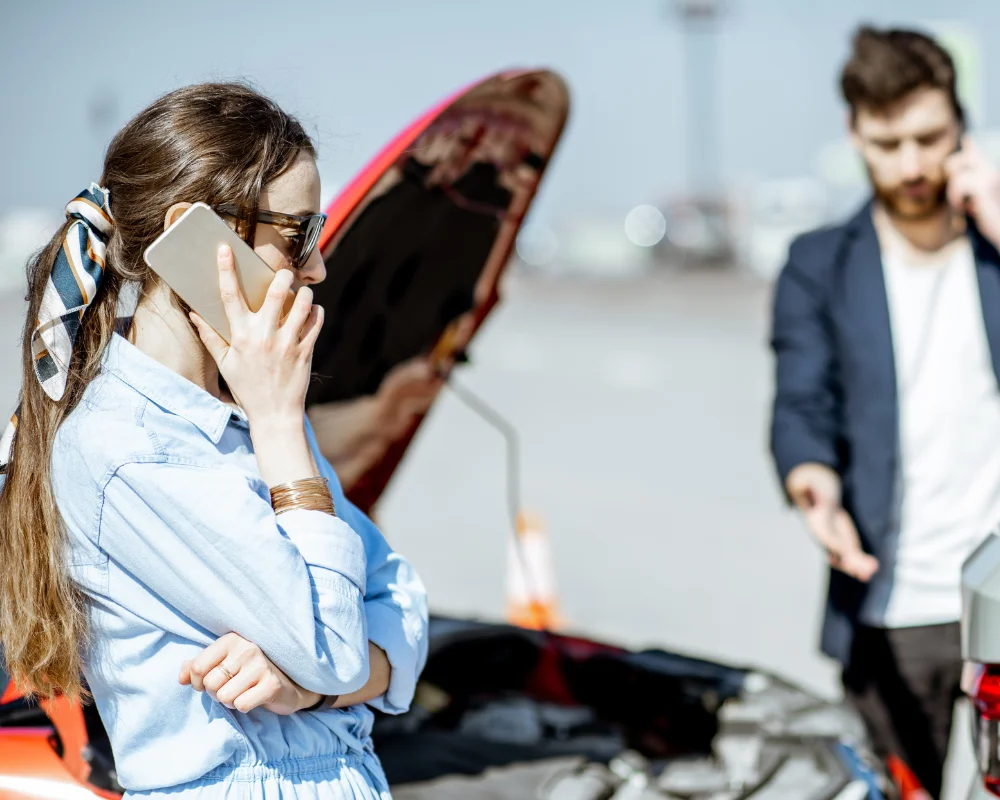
193 556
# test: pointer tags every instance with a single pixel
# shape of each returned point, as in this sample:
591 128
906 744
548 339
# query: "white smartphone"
186 257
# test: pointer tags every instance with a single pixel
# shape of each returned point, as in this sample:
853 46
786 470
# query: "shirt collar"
166 388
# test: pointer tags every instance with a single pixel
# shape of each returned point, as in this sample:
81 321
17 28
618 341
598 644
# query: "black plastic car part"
498 689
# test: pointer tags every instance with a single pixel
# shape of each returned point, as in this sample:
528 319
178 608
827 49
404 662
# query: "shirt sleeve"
395 600
396 608
206 542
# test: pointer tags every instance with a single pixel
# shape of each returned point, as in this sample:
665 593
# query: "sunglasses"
307 229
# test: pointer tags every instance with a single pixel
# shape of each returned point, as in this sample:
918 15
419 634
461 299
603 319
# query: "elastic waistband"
289 767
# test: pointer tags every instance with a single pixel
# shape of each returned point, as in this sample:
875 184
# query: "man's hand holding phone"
974 188
815 489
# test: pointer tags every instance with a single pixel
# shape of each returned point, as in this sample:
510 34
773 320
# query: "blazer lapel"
871 377
867 300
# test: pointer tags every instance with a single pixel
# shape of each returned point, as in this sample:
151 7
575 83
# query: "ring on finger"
225 671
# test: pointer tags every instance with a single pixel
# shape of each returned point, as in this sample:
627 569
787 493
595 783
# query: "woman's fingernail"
225 251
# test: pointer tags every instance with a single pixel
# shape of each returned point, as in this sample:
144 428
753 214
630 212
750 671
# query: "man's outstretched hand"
815 489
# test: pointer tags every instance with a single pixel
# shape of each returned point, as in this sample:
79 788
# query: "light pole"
698 18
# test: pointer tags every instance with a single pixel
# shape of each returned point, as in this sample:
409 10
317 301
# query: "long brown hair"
218 143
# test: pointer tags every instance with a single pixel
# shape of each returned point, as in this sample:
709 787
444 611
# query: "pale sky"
355 72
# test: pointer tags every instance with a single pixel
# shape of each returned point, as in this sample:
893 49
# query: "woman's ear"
174 213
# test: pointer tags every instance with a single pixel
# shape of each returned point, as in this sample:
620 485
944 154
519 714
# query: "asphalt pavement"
641 407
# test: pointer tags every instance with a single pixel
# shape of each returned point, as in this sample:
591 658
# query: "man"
886 419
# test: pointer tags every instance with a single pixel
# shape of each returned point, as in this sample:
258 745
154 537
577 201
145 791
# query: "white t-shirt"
949 436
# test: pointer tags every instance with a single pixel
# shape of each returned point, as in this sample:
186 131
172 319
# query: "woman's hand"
268 362
237 674
247 679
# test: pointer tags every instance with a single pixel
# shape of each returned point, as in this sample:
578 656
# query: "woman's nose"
314 270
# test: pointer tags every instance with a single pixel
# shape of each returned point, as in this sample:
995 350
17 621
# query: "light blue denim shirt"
174 542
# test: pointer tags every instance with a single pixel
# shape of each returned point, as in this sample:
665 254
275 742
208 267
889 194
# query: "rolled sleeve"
206 542
395 601
333 552
396 610
397 622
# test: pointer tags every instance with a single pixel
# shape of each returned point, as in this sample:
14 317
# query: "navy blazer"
835 400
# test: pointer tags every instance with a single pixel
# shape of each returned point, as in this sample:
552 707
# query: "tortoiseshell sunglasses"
307 229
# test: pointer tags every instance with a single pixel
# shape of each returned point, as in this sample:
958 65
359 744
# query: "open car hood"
415 245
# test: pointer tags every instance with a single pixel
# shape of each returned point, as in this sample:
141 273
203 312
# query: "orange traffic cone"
531 580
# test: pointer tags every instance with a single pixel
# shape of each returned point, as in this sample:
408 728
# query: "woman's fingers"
277 294
197 680
299 313
207 660
215 344
260 694
220 675
233 301
236 673
311 329
247 677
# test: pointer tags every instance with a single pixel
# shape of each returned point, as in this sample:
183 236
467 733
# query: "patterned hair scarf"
71 288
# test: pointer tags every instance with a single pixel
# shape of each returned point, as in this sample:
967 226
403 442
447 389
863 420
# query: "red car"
414 249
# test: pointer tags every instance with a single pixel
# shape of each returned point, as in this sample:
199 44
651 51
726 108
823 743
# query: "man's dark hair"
887 65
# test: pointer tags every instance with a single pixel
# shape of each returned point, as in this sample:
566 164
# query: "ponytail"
216 142
42 613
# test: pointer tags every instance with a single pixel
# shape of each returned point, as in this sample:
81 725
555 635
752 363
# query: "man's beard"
901 206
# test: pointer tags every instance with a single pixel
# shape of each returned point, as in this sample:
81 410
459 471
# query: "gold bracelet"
311 494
